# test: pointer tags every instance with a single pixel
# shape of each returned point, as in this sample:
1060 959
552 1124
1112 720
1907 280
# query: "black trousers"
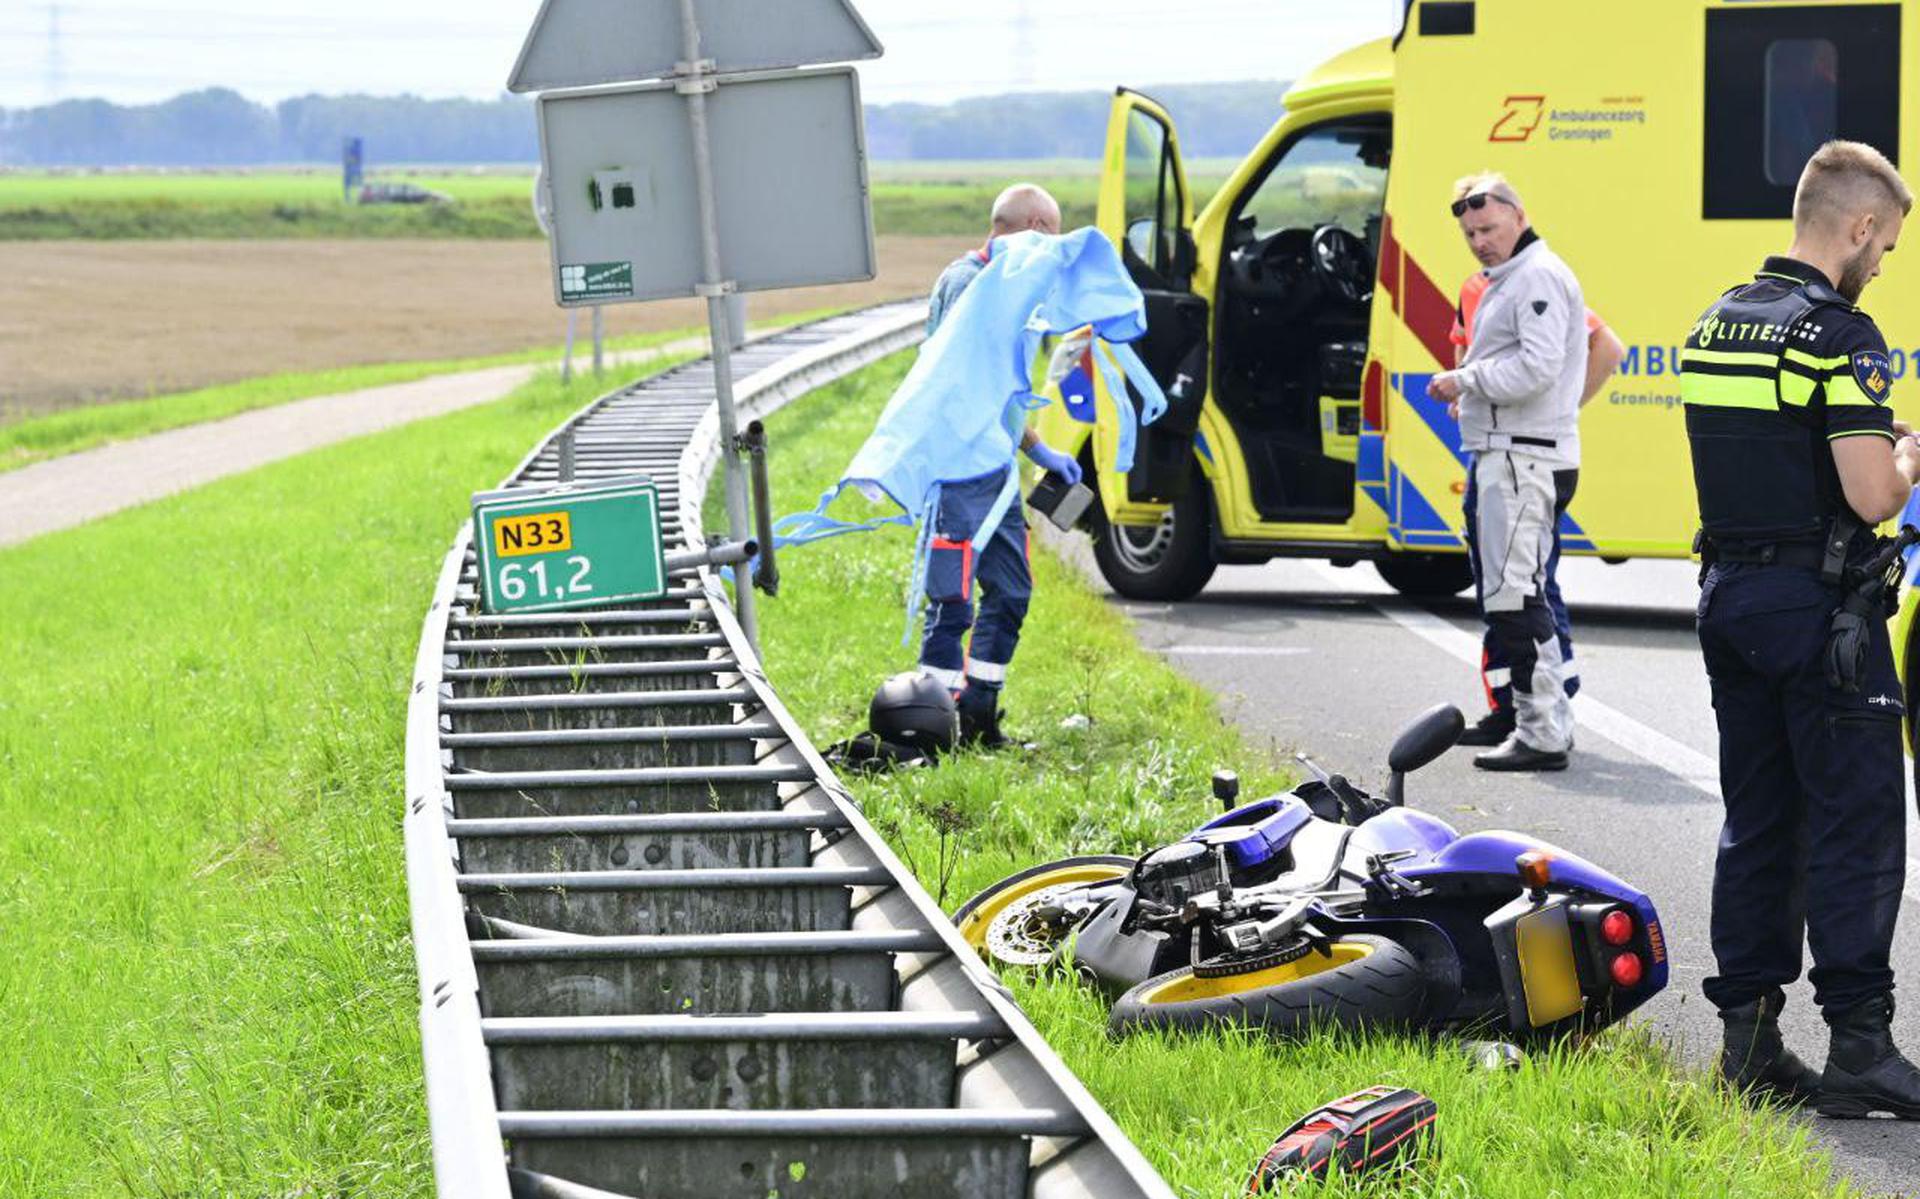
1814 843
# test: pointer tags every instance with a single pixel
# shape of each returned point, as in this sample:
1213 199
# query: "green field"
209 982
915 199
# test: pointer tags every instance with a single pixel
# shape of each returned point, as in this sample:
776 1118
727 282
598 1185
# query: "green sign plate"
569 548
596 280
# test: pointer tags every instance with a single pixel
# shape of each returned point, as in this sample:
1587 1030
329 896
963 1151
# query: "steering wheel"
1265 269
1341 261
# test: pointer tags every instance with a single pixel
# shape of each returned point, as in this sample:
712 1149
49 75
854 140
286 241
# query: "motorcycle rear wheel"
1364 982
976 917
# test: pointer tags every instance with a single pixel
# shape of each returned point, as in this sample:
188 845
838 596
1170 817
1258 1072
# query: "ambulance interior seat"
1288 335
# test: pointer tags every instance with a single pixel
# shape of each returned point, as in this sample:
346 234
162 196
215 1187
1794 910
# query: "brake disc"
1028 930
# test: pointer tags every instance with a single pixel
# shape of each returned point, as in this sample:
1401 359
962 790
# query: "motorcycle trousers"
1496 672
1516 515
1814 844
1001 574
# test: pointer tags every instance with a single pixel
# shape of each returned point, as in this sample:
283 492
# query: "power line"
56 63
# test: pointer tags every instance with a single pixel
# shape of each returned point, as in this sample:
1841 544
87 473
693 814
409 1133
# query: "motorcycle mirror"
1226 788
1314 767
1436 731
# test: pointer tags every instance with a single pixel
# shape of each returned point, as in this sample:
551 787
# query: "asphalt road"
1332 662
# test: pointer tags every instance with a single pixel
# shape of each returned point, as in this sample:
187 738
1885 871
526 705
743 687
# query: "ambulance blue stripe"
1413 388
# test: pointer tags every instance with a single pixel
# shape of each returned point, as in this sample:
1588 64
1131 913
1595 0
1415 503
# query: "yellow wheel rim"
975 925
1189 987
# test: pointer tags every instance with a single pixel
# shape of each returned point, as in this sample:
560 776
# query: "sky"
138 51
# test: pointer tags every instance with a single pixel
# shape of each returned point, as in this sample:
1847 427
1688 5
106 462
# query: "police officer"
1795 458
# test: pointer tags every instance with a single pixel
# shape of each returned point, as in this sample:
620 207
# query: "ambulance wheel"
1426 576
1004 924
1169 561
1363 982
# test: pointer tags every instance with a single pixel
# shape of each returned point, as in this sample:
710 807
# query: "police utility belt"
1870 583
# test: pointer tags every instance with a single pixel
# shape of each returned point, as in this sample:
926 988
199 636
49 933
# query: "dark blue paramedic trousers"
1814 843
1000 575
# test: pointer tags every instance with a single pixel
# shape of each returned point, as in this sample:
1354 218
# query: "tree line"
220 127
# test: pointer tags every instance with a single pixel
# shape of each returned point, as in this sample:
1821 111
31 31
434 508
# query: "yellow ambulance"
1297 318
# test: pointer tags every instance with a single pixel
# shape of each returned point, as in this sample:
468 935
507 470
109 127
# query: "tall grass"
948 199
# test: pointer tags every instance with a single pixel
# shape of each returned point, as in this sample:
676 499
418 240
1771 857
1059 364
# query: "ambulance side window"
1779 82
1803 104
1153 204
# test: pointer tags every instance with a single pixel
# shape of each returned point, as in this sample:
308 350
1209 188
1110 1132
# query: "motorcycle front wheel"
1001 923
1362 982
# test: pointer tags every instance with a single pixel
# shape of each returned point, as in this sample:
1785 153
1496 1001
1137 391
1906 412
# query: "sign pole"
695 82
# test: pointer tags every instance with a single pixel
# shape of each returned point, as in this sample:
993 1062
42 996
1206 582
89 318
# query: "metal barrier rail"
662 954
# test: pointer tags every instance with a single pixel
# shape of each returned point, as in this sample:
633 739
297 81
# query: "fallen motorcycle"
1328 905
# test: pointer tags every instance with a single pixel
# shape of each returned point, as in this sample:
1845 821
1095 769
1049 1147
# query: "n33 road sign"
569 548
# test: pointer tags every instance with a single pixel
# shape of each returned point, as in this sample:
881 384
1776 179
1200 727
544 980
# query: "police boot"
980 718
1755 1060
1866 1073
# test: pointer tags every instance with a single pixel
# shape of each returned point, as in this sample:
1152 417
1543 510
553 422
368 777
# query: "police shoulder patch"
1874 373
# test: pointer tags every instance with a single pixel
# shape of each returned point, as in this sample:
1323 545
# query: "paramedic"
976 671
1796 457
1604 355
1518 391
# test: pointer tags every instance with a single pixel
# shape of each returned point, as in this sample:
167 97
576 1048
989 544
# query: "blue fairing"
1257 833
1494 853
1403 828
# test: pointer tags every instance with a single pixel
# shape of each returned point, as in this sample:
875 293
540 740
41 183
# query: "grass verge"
1613 1117
71 430
208 980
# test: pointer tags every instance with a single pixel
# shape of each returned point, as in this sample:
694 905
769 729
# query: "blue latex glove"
1046 457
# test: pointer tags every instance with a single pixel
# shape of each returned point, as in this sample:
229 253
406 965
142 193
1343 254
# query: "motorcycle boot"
1866 1072
1490 730
980 718
1755 1060
1515 754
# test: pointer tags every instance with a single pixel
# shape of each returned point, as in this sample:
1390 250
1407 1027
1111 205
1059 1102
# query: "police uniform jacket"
1772 374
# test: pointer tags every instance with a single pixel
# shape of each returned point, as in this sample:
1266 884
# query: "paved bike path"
71 490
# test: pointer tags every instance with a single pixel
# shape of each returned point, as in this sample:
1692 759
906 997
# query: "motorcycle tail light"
1616 927
1627 970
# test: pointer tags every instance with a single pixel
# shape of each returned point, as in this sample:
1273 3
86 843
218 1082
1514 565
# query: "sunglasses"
1477 201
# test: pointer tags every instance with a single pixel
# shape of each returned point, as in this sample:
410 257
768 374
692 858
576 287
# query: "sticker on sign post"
596 280
569 548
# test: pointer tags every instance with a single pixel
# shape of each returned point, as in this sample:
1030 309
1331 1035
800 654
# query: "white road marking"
1238 651
1682 761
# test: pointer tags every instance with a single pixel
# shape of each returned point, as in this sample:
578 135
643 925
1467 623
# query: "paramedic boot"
980 718
1490 730
1755 1060
1866 1072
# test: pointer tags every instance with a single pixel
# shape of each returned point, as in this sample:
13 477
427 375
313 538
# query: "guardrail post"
766 572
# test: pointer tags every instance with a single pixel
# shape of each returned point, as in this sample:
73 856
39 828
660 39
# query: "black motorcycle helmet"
914 710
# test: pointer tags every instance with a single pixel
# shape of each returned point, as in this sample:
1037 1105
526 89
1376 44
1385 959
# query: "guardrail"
662 954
